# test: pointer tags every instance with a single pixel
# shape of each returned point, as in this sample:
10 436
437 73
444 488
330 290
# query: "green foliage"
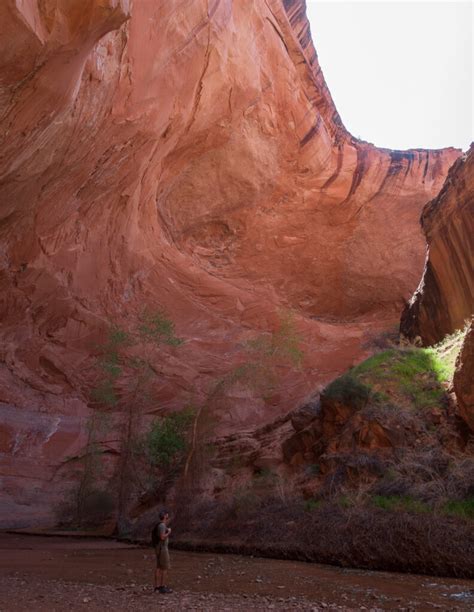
420 374
390 474
115 360
345 501
313 469
349 389
126 370
461 508
312 504
376 363
104 393
167 439
399 503
155 327
110 366
446 352
283 345
415 362
265 477
264 354
252 374
415 375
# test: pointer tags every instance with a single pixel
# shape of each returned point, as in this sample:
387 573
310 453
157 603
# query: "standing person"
159 537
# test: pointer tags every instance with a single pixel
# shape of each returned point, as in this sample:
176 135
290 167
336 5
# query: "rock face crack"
279 34
200 85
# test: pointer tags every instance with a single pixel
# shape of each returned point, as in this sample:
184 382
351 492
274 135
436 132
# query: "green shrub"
445 353
349 389
265 474
345 501
264 354
157 328
462 508
313 469
420 372
399 503
416 374
283 345
312 504
167 439
375 363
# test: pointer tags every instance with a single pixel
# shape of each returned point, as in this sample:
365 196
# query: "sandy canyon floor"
52 573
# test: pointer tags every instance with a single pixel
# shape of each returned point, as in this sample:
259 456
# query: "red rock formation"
186 155
463 381
445 298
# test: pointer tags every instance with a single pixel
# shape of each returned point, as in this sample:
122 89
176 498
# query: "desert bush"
429 475
313 469
381 340
157 328
263 355
349 389
363 536
312 504
167 440
345 501
460 508
400 503
414 376
447 351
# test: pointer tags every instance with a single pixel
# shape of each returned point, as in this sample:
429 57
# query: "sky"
399 72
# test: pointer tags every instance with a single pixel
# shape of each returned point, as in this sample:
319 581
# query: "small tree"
166 441
86 509
126 371
264 356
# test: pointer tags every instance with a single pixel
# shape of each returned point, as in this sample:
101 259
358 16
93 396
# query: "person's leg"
166 567
156 576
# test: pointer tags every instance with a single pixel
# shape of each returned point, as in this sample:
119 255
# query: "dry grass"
336 533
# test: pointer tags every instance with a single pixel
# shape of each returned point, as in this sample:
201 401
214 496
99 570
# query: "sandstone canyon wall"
445 298
463 382
185 155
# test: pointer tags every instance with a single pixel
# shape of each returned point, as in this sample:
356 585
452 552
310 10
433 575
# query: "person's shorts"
162 558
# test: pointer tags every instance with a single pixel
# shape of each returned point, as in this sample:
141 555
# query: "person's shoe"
165 589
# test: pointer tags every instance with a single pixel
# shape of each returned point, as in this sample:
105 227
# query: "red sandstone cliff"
445 298
187 156
463 382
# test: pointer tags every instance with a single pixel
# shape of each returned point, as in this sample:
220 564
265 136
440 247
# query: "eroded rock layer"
187 156
463 382
445 298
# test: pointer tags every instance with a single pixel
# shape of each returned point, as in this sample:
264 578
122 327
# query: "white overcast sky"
400 72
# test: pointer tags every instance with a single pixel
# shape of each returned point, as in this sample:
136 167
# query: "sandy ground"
52 573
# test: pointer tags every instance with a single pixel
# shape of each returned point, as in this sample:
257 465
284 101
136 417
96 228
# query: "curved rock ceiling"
186 155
